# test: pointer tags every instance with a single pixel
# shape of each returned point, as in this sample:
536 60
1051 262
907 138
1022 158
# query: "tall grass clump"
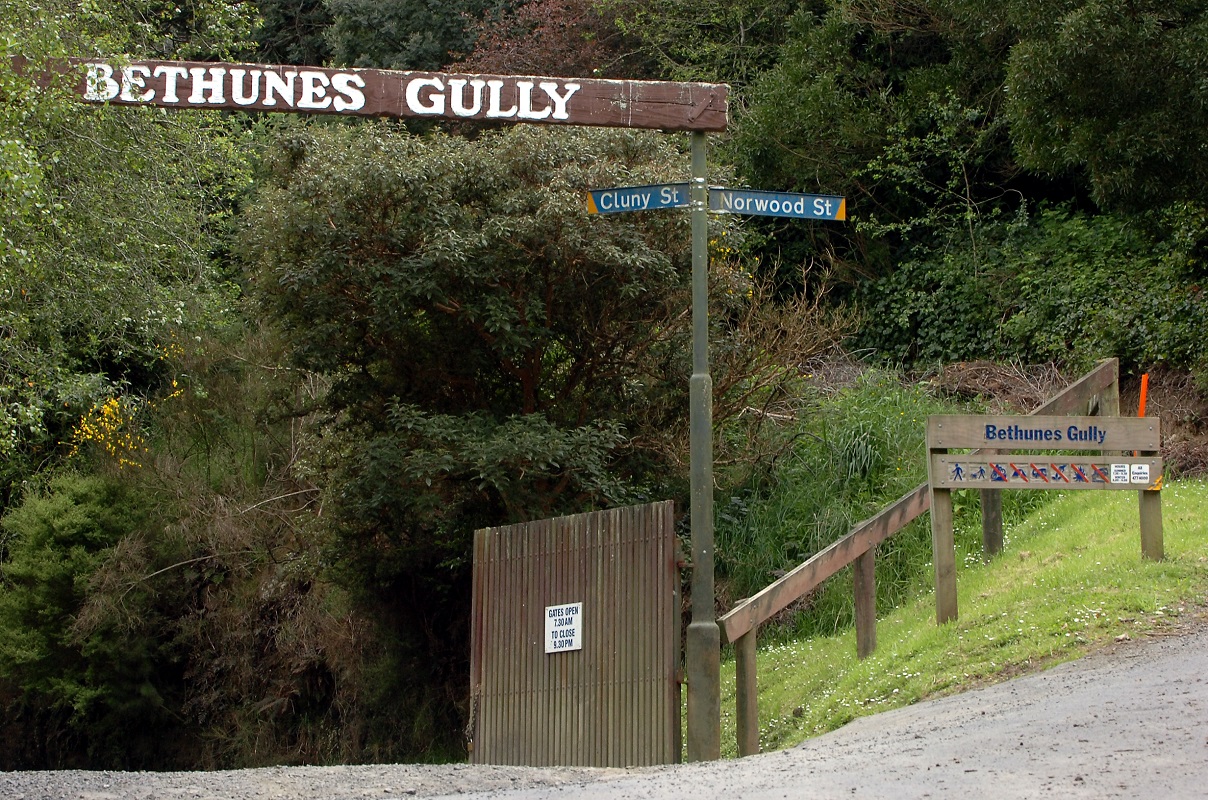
849 453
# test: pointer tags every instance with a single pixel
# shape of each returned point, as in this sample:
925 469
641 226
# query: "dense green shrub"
75 697
1051 286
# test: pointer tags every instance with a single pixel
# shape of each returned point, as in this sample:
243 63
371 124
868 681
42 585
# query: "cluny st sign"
656 105
637 198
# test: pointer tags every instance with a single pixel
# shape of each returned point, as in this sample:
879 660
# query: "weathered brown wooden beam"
656 105
1074 398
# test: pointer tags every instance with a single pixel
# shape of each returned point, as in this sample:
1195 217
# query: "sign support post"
703 644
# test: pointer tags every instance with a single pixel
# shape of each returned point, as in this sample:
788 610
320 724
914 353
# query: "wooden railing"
1097 392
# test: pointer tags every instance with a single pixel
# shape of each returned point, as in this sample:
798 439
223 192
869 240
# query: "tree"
465 277
293 32
401 34
81 698
1111 91
717 42
897 106
108 233
550 37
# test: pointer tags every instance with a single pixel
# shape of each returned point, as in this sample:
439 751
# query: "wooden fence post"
991 509
943 545
943 548
746 700
866 603
1151 525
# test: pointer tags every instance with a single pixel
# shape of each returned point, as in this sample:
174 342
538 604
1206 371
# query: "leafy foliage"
107 261
1050 286
98 690
1112 89
404 34
897 107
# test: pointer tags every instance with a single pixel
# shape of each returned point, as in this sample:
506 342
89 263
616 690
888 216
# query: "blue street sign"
777 204
637 198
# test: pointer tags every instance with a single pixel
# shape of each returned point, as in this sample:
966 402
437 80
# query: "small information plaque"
564 628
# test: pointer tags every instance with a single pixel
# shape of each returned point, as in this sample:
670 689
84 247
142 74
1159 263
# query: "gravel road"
1129 721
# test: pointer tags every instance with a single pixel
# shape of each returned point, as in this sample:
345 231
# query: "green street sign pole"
703 645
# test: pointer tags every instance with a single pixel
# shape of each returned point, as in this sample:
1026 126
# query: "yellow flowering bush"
112 426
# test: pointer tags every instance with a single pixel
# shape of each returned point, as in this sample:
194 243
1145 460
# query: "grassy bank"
1071 579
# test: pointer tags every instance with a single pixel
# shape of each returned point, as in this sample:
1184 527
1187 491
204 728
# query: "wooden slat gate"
615 701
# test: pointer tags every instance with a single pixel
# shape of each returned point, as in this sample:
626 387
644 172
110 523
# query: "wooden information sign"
657 105
1032 453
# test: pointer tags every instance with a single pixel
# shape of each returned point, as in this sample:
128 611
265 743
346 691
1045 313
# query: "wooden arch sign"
656 105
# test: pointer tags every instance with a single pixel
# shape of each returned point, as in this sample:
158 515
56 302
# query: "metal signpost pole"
703 644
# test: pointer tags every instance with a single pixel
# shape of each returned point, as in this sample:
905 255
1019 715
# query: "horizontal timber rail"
1097 392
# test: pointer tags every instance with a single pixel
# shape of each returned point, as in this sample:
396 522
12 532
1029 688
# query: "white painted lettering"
170 76
135 77
494 110
237 93
433 104
211 84
526 102
457 98
348 87
314 90
100 83
560 100
281 85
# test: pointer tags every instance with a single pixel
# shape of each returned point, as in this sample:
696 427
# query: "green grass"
1071 579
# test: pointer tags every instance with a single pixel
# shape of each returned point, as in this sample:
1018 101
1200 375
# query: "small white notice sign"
564 628
1140 473
1119 473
